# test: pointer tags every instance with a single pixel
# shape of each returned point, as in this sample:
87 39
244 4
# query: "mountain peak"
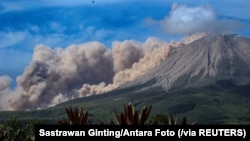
204 59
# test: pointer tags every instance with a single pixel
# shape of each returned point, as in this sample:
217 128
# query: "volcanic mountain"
207 80
209 60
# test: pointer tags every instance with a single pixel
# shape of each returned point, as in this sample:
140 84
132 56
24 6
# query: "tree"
163 119
130 115
18 130
77 117
3 133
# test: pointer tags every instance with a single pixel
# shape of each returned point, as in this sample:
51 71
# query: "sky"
34 31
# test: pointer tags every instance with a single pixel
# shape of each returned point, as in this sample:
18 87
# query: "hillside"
203 62
207 105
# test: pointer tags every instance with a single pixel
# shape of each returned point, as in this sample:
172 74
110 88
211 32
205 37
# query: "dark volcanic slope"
204 61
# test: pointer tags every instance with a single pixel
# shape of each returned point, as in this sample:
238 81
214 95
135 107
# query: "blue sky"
60 23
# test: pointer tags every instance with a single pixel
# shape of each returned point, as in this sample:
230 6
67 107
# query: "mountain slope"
204 105
203 62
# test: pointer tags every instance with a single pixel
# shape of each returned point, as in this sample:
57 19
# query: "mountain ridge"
206 60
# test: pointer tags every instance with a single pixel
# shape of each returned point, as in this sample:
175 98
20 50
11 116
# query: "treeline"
16 130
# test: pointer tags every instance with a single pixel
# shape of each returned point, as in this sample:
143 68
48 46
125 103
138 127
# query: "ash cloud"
125 54
150 54
57 75
154 52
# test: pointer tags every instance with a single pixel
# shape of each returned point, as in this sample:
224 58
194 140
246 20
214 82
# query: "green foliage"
3 133
163 119
130 115
158 119
228 105
19 131
16 130
77 117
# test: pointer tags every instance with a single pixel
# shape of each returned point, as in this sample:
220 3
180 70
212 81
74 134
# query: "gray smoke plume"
57 75
154 52
125 54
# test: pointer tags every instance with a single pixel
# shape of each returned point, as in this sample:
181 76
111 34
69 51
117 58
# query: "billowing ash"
57 75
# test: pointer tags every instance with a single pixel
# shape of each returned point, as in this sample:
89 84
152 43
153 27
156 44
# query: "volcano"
212 59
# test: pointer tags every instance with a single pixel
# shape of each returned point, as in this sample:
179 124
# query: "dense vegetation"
15 130
217 104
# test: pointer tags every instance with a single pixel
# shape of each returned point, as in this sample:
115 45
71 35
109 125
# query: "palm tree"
130 115
77 117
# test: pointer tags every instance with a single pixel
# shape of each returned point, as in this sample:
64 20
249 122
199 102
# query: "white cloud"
10 6
27 40
11 38
187 20
57 27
